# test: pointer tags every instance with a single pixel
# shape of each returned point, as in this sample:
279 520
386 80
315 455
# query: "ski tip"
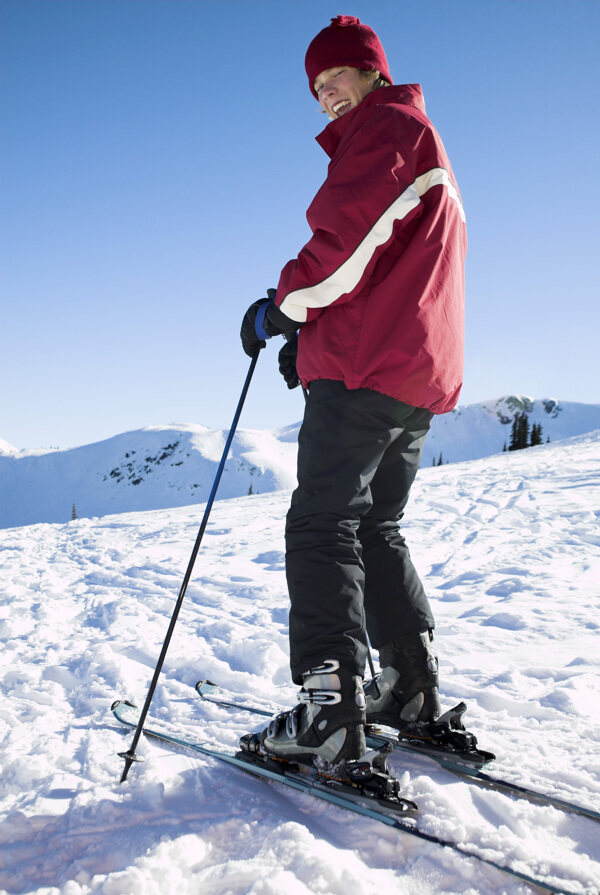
119 702
205 685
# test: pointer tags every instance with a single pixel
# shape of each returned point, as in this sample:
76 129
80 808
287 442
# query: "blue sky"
158 157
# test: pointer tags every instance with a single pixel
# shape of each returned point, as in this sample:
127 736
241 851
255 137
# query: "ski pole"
130 755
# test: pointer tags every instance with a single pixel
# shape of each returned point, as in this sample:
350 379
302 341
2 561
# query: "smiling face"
341 88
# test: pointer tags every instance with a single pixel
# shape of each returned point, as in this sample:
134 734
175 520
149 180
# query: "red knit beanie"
345 42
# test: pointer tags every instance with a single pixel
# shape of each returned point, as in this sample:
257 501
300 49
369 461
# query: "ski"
333 791
472 773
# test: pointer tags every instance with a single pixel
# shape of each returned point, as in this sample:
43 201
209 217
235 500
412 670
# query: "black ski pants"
346 561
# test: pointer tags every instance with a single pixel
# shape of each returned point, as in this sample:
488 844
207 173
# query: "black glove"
262 320
287 362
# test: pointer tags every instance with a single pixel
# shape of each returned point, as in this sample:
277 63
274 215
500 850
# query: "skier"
377 296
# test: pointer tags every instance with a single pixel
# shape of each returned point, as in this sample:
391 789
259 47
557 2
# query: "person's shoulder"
392 114
410 95
385 116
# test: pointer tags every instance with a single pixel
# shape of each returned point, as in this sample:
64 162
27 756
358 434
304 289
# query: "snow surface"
7 448
167 466
508 547
151 468
476 430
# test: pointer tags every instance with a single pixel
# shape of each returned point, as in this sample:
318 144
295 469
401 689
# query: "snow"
167 466
477 430
6 447
508 547
151 468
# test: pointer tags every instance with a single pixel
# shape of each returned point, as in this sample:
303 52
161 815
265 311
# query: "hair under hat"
345 42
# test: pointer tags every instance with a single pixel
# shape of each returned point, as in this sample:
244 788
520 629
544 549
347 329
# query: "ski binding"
445 736
366 776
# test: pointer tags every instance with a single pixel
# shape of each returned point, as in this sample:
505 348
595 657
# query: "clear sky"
157 161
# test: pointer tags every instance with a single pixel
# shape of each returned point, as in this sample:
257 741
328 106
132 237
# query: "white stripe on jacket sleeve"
348 275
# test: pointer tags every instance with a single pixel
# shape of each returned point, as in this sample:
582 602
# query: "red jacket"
380 285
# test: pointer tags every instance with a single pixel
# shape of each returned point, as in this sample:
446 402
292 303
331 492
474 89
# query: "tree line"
522 435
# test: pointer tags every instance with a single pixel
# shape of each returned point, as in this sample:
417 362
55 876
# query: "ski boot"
405 693
326 728
405 696
326 732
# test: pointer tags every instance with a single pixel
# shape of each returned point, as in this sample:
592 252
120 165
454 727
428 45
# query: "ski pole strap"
259 322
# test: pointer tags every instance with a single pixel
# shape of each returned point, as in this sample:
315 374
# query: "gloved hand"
287 362
262 320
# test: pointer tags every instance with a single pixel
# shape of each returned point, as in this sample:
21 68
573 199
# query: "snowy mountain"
147 469
6 448
508 548
479 430
169 466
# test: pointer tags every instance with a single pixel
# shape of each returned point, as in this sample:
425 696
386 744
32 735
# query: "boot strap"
289 718
320 697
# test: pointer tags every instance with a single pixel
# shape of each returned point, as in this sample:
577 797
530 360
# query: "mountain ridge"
163 466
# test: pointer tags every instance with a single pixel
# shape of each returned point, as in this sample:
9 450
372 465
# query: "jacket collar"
401 94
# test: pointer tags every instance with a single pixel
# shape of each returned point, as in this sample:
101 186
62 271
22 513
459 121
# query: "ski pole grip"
259 323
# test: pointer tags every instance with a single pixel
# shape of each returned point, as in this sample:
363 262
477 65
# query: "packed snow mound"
168 466
508 548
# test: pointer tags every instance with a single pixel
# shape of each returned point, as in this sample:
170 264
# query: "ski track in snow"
508 547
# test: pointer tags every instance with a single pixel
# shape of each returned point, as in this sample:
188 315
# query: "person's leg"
343 439
395 600
399 618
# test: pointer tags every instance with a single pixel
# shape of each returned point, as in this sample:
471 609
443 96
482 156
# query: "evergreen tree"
519 434
522 435
536 434
73 512
523 431
440 461
513 444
